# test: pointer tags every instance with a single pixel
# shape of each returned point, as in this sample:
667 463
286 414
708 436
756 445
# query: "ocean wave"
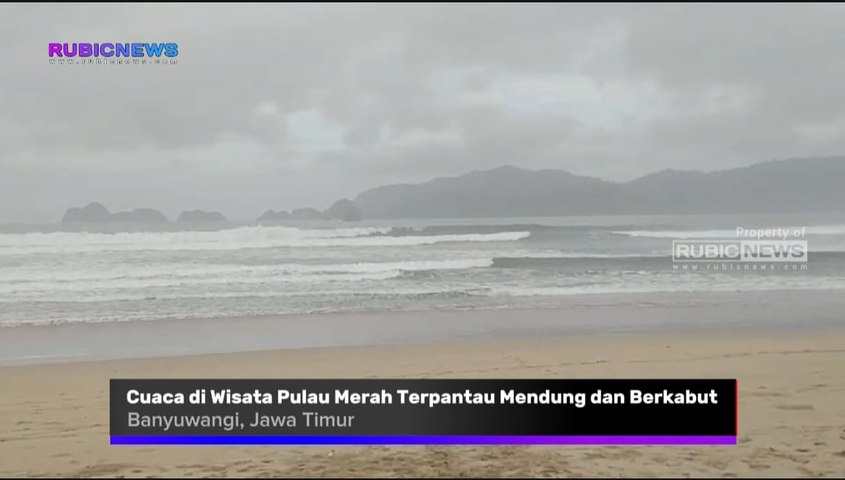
132 305
537 291
725 233
818 256
11 292
826 230
18 281
668 284
257 237
677 233
339 295
247 235
418 293
435 230
563 260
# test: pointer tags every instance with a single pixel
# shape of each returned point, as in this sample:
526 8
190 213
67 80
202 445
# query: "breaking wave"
255 237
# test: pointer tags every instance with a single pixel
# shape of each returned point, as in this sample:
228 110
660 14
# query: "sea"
54 274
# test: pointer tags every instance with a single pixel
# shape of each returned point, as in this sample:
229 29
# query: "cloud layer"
283 106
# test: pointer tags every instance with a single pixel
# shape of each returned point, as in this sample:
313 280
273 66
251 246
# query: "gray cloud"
281 106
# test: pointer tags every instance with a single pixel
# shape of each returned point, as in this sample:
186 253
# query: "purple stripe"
420 440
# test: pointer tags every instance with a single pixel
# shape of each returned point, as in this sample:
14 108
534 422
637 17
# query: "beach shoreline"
54 417
577 315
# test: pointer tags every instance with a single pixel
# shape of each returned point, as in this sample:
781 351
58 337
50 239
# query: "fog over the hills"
286 106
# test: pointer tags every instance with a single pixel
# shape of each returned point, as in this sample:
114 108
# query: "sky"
295 105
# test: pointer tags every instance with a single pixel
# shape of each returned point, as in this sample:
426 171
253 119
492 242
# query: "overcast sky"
285 106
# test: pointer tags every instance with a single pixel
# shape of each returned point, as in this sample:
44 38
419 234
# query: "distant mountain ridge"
777 186
799 185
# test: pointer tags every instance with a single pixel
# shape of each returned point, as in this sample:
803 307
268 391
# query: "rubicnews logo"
739 251
113 53
774 249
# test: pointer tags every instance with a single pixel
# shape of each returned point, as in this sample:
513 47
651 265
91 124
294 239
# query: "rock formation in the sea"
92 213
306 214
139 215
345 210
200 216
272 217
96 213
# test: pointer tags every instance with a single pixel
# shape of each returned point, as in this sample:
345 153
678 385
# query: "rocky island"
200 216
95 212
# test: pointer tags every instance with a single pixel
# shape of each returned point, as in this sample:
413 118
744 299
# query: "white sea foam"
189 270
826 230
704 284
226 240
725 233
28 282
552 255
678 233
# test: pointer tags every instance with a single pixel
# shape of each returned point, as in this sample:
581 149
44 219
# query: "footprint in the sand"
104 469
757 465
795 407
811 388
765 394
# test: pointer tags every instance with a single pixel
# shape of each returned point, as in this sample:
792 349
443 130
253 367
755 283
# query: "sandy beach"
554 209
54 417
